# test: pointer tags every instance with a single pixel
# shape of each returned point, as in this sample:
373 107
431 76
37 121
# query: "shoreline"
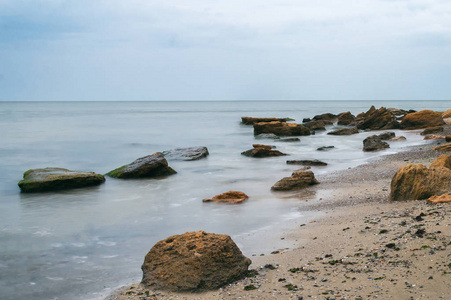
324 250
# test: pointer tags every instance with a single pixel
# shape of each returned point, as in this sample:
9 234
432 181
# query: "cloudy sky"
225 49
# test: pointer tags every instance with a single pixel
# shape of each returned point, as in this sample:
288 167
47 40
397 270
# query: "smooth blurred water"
80 244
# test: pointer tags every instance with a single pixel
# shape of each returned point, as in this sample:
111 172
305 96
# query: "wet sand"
360 247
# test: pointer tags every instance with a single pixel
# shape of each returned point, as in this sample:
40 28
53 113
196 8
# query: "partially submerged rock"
398 138
313 162
432 130
281 128
344 131
434 137
290 140
325 148
374 143
422 119
261 151
326 116
317 124
53 179
233 197
442 161
193 262
346 118
154 165
251 120
378 119
190 153
387 135
297 180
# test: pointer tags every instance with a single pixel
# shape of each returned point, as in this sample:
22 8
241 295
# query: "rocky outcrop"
312 163
326 117
290 140
281 128
154 165
378 119
346 118
344 131
374 143
54 179
422 119
297 180
444 148
261 151
191 153
251 120
440 199
318 124
416 182
432 130
193 262
442 161
232 197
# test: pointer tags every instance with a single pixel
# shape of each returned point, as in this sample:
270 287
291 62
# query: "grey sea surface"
81 244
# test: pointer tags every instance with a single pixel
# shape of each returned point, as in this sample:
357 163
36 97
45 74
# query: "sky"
95 50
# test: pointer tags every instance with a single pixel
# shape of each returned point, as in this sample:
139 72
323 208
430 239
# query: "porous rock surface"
281 128
422 119
53 179
378 119
298 180
233 197
193 261
154 165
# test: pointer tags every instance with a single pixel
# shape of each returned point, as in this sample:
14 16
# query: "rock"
344 131
444 148
448 138
317 125
325 148
387 135
191 153
398 138
416 182
289 140
346 118
154 165
446 114
251 121
399 112
314 162
374 143
432 130
297 180
233 197
267 136
193 262
439 199
53 179
281 128
442 161
434 137
326 116
260 151
422 119
305 120
378 119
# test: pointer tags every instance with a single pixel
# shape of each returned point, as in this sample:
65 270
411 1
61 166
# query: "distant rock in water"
326 117
53 179
346 118
191 153
193 262
154 165
325 148
267 136
261 151
290 140
232 197
374 143
317 124
251 120
344 131
281 129
313 163
298 180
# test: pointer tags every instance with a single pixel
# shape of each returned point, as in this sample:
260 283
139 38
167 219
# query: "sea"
85 243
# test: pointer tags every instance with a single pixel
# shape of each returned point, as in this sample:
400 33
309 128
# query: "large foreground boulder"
416 182
297 180
193 261
422 119
190 153
154 165
260 151
374 143
232 197
53 179
281 128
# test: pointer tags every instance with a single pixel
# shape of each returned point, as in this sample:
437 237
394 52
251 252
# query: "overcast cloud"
225 50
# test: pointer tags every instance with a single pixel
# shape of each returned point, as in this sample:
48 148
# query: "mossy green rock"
154 165
53 179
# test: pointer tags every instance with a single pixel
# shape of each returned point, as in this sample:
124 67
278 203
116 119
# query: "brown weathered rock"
434 137
422 119
344 131
233 197
326 116
379 119
442 161
432 130
446 114
374 143
297 180
440 199
448 138
281 128
193 261
251 120
318 124
261 151
444 148
416 182
346 118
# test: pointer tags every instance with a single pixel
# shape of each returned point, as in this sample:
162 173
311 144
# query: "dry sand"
363 247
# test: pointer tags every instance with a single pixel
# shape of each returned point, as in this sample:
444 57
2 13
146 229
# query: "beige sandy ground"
363 247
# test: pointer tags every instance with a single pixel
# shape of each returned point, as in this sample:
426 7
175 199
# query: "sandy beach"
362 246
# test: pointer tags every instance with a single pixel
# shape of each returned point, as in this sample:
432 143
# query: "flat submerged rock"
53 179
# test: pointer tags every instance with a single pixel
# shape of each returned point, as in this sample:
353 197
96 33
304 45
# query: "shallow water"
80 244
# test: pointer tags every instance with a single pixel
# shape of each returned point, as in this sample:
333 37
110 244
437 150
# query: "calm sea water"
81 244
